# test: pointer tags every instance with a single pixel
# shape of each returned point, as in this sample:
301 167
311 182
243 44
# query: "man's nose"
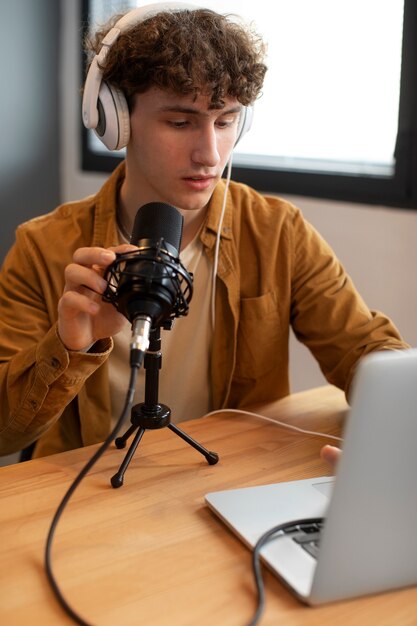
205 151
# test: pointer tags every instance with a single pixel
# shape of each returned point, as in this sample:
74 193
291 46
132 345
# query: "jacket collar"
209 232
107 199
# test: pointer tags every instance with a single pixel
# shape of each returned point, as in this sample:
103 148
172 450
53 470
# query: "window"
337 118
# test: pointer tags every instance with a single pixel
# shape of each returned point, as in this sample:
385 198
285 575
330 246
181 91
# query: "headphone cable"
217 245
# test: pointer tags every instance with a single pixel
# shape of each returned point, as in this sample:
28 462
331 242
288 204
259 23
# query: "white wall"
377 245
29 181
29 113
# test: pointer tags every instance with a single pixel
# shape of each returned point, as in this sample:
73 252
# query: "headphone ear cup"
113 127
245 122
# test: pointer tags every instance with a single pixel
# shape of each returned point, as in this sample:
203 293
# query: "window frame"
397 190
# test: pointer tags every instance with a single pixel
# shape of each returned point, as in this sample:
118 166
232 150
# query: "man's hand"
83 316
331 455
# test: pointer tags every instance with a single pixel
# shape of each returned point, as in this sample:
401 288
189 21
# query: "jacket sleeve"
328 315
38 376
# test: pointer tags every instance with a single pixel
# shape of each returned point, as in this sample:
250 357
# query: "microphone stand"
150 415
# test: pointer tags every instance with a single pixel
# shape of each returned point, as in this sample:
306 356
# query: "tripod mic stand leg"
117 479
211 457
120 442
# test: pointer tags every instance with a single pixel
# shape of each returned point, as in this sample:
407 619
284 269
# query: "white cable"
217 247
276 422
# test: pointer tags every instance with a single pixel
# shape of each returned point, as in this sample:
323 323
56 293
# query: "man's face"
179 147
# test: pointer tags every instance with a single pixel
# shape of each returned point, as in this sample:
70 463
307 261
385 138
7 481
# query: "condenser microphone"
150 286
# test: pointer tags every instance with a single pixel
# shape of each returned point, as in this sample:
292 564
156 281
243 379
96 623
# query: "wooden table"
151 552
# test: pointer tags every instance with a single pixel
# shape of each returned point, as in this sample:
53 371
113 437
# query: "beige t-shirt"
184 379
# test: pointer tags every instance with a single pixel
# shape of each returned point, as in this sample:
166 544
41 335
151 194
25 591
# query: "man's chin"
193 203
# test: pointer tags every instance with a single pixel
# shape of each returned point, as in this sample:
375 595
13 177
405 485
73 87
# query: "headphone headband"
104 107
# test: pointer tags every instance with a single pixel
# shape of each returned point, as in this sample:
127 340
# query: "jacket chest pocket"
261 336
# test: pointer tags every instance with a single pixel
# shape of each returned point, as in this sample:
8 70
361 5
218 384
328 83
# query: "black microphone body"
146 288
146 285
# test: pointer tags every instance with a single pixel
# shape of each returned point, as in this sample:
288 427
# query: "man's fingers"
72 303
331 455
102 257
124 247
77 276
94 256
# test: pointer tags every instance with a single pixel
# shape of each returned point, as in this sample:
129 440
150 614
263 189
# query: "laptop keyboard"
307 536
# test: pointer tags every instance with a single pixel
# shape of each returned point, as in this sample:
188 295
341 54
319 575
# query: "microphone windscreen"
157 220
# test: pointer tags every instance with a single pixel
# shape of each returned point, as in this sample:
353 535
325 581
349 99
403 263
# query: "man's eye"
226 123
178 123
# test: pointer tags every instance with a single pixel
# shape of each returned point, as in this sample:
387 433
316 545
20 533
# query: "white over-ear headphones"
104 107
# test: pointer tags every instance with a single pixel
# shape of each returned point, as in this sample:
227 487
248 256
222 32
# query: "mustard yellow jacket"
274 272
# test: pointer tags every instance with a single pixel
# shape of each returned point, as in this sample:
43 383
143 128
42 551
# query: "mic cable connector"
139 343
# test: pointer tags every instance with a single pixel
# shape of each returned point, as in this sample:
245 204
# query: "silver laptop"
368 542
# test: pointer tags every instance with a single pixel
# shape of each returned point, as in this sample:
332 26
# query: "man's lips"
201 177
199 182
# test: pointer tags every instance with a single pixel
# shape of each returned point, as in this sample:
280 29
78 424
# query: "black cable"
268 536
48 567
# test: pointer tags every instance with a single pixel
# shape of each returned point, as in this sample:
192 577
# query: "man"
187 78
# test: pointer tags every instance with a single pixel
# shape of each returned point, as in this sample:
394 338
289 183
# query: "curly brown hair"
197 52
